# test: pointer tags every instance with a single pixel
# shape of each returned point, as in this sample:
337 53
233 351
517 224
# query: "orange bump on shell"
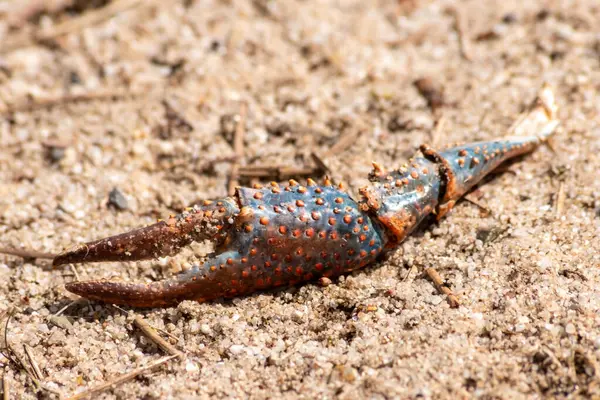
320 201
258 195
299 203
283 229
264 220
347 219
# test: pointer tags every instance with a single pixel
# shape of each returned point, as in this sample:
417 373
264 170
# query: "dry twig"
238 148
278 171
473 200
27 254
151 333
5 387
443 289
121 379
19 14
432 91
437 130
560 200
85 20
465 45
344 142
36 369
17 360
37 104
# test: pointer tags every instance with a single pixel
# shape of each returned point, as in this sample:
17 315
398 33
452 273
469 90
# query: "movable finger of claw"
158 240
162 239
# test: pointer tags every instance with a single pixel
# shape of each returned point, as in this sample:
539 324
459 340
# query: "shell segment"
284 236
401 199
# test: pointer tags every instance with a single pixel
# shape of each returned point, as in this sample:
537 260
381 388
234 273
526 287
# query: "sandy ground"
527 274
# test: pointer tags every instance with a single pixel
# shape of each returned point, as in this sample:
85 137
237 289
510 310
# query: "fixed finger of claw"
217 277
207 221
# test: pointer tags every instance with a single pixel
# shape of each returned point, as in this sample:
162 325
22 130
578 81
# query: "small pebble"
509 18
192 367
56 153
117 199
205 329
61 321
324 281
237 349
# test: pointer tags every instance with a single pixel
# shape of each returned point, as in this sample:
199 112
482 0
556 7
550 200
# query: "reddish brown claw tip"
74 255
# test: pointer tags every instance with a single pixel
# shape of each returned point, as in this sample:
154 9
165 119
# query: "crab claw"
158 240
